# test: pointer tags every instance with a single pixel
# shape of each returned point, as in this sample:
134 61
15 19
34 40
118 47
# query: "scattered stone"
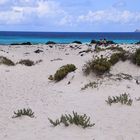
137 82
24 43
38 51
77 42
50 42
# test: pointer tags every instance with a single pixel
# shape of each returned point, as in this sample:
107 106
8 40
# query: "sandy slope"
23 87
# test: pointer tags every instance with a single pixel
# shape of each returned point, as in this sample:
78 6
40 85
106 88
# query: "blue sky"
70 15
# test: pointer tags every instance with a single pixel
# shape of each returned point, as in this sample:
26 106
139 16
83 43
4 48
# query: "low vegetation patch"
24 112
91 84
117 48
62 72
123 99
98 66
26 62
86 51
116 57
136 57
79 120
6 61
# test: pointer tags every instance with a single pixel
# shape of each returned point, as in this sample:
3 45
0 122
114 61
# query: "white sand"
23 87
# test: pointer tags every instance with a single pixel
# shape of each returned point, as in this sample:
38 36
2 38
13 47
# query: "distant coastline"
137 30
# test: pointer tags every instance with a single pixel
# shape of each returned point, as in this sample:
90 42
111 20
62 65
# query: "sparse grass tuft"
123 99
76 119
91 84
24 112
115 49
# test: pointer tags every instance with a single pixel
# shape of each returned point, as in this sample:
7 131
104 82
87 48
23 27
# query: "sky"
70 15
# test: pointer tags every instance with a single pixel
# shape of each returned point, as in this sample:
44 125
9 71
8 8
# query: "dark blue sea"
66 37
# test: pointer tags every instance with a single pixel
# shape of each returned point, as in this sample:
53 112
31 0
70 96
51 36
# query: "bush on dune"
99 66
26 62
136 57
62 72
6 61
116 57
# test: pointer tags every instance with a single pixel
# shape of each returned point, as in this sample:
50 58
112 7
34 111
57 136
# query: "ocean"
8 37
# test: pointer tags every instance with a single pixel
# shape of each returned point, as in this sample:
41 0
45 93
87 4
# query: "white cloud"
48 8
110 16
3 2
50 12
41 9
120 3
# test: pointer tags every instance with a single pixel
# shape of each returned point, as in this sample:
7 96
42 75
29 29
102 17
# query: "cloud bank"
52 13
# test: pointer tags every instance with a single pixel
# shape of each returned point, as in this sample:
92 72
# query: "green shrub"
123 99
76 119
23 112
114 58
6 61
136 57
87 67
26 62
98 66
63 71
98 49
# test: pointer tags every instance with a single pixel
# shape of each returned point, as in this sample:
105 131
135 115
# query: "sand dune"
29 87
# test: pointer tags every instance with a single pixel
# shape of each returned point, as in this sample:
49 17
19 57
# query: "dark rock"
102 42
50 42
38 51
24 43
93 42
137 43
77 42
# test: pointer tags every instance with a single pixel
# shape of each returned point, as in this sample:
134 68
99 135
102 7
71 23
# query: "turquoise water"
65 37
